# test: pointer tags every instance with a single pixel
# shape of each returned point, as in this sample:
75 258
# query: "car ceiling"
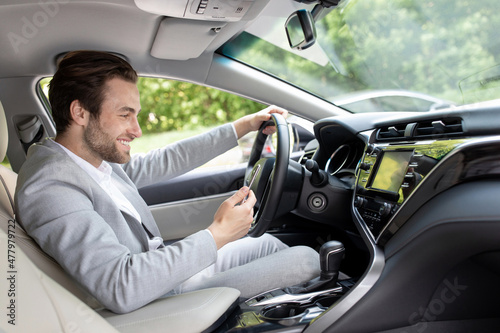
33 35
33 38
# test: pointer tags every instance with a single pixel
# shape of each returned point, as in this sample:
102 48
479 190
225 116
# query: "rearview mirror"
300 30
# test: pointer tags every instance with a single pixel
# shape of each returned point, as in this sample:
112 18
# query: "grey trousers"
256 265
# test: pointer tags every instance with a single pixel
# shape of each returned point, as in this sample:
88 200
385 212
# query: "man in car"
77 197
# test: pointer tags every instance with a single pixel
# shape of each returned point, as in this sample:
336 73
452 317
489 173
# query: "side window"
174 110
44 86
6 163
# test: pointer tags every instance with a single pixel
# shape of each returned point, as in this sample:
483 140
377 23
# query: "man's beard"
101 145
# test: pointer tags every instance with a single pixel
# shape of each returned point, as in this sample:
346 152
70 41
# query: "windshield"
384 55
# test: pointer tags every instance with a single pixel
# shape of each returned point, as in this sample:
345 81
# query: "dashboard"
402 182
396 162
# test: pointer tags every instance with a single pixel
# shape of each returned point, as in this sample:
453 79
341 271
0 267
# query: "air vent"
439 128
392 132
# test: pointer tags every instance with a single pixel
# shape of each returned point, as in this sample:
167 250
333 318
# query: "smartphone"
251 181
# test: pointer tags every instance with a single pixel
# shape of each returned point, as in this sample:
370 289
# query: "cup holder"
327 301
293 313
283 311
284 314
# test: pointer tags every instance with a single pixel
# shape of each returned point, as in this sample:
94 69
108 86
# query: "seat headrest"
4 134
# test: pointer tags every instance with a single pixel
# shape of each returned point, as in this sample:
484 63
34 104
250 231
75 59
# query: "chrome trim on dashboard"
341 163
359 290
365 283
298 298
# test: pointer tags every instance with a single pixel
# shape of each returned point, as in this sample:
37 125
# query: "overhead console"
207 10
203 24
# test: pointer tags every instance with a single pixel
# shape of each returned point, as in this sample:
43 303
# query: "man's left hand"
253 122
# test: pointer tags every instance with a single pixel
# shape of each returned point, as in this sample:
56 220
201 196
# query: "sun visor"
179 39
206 10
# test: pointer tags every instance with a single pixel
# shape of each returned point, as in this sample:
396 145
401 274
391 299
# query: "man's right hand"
233 218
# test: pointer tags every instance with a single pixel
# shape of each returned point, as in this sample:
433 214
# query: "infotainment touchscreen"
391 170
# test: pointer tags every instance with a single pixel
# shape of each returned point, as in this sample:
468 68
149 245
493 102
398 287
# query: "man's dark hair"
82 75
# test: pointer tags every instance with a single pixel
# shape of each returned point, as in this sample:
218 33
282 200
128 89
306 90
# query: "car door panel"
187 204
182 218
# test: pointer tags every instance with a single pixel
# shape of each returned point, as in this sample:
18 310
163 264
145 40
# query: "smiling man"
105 137
77 197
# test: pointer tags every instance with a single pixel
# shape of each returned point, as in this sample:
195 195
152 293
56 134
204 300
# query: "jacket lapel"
130 192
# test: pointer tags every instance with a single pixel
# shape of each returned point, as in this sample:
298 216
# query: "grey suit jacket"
73 220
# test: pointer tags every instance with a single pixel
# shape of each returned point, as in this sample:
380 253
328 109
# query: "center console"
277 309
297 305
388 175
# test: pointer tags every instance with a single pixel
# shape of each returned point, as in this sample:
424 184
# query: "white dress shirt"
102 176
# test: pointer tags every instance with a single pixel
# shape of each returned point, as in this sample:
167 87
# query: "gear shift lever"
330 256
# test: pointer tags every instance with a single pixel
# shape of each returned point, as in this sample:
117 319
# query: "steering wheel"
269 174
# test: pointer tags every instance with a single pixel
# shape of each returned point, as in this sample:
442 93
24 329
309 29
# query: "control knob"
359 202
385 209
371 149
364 166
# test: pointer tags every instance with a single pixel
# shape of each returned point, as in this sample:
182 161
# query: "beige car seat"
42 298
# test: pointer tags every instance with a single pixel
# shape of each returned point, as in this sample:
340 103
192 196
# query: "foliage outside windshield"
442 49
